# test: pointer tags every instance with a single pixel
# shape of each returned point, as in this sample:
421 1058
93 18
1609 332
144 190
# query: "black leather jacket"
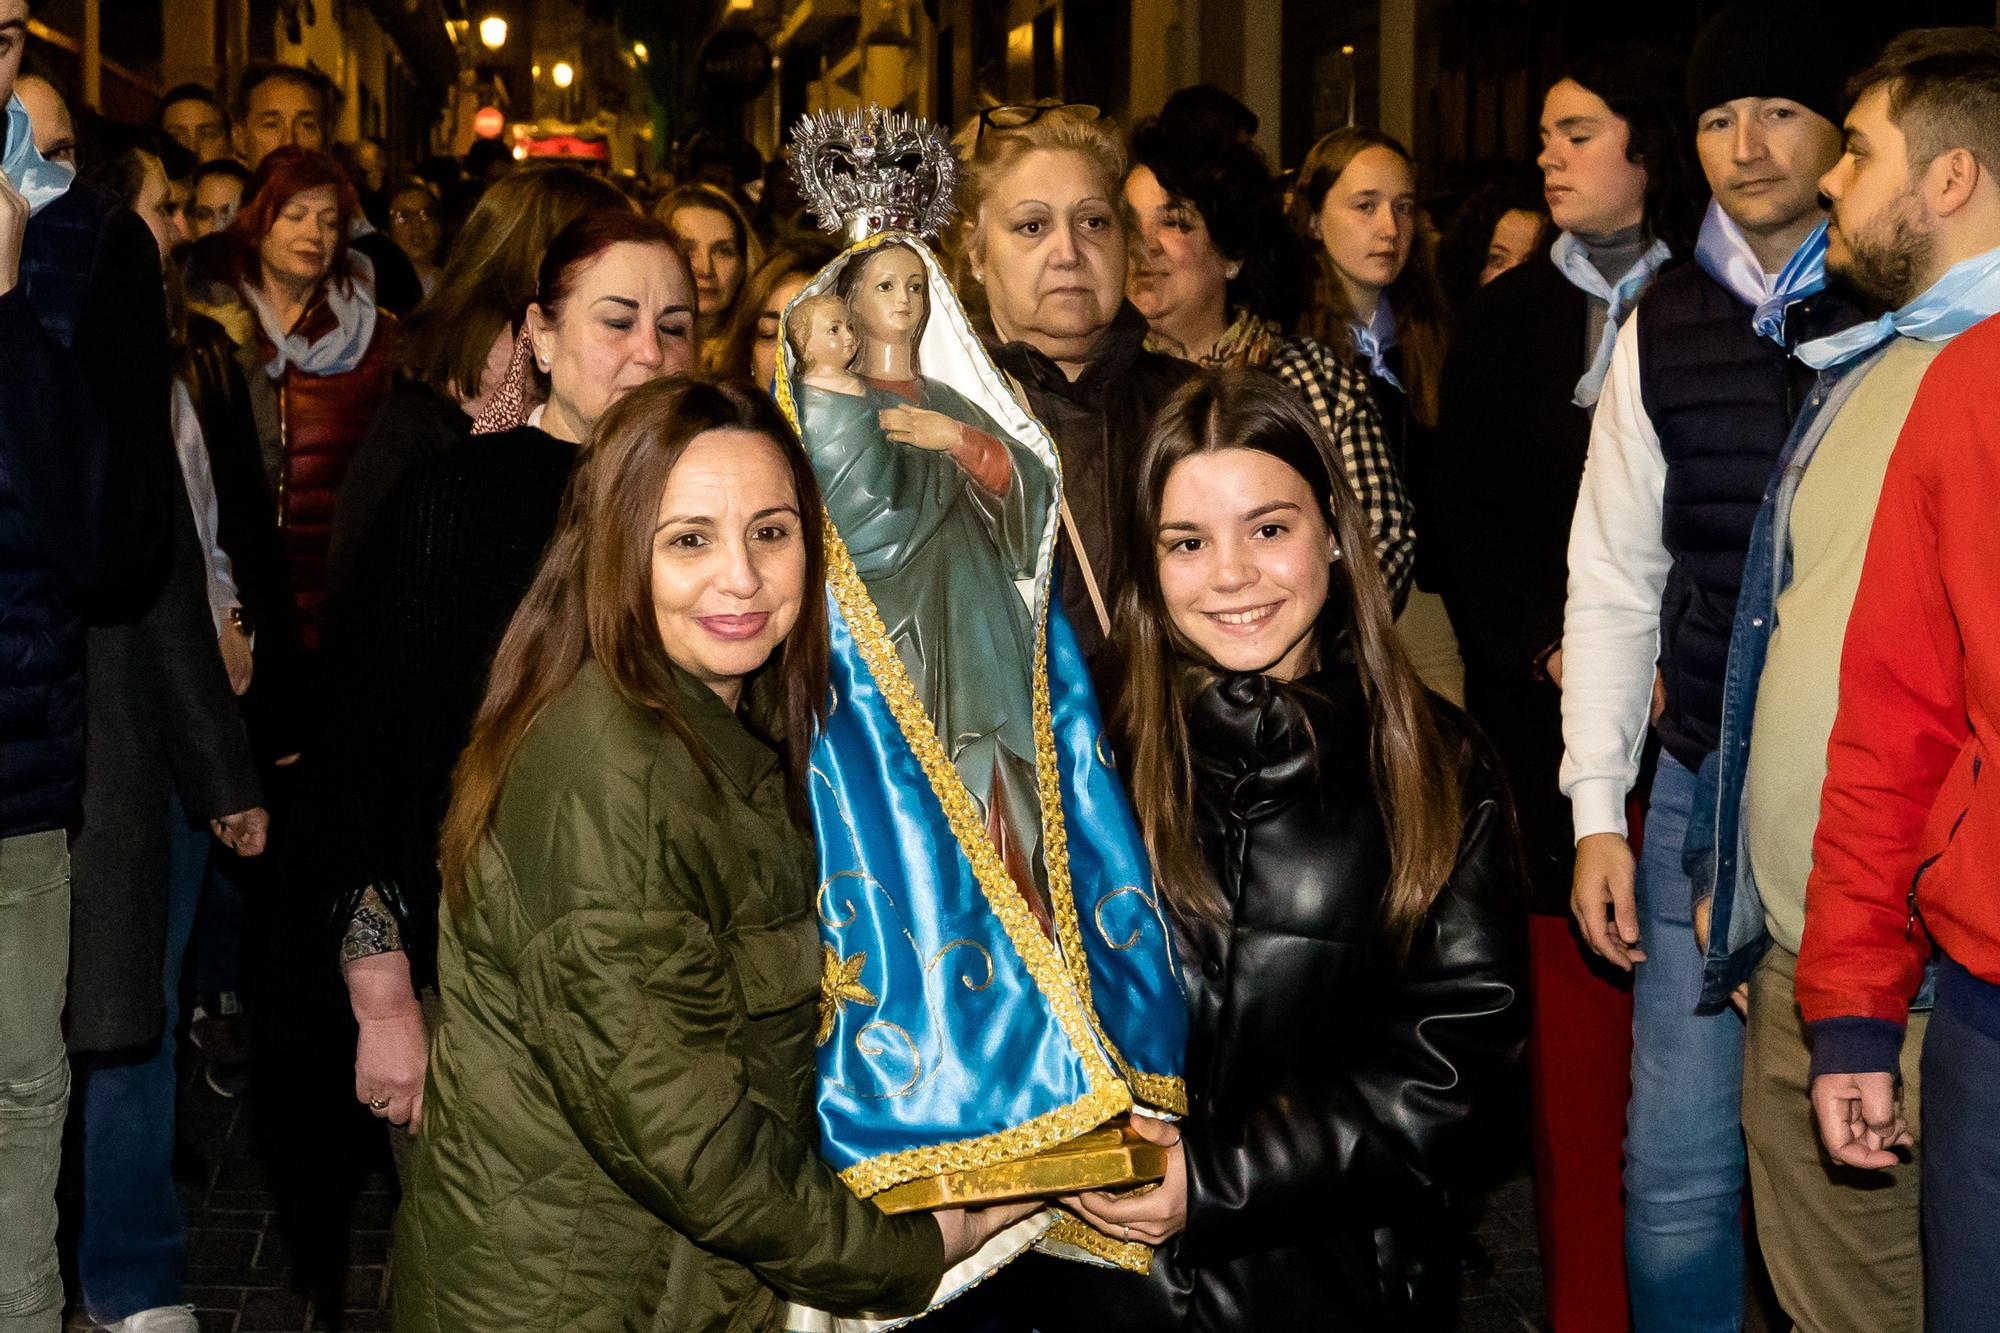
1335 1095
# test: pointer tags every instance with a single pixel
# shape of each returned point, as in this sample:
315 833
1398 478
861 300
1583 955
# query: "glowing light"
493 32
520 152
1347 50
563 74
639 50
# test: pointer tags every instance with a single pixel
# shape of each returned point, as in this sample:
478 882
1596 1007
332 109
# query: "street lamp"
563 74
493 32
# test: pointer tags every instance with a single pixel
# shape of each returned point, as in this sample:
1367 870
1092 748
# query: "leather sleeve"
1385 1136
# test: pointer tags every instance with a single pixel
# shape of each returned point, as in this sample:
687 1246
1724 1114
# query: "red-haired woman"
319 354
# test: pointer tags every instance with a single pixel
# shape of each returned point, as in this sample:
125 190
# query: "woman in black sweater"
436 581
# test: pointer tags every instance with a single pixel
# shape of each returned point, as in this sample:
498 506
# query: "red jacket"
1919 714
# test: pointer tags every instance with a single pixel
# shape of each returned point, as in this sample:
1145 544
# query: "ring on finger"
378 1103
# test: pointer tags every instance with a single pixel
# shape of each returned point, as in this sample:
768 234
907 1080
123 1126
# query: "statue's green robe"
941 556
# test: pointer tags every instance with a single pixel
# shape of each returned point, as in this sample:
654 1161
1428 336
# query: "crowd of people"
1538 628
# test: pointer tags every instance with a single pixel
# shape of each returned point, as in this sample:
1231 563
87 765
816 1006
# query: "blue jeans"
1683 1138
1961 1164
131 1242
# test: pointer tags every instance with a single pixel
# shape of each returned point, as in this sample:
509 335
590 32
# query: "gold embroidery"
974 945
839 984
1129 1255
1104 932
916 1056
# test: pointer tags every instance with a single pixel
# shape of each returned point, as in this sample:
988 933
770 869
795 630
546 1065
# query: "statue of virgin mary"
999 987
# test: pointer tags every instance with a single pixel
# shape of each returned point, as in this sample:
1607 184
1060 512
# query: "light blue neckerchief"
1967 293
1724 253
1374 339
40 180
1573 261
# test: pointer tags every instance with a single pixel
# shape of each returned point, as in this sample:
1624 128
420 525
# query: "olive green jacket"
618 1128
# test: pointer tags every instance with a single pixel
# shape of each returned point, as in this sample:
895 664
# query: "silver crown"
870 170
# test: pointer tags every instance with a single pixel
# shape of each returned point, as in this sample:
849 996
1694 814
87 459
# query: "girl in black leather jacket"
1340 859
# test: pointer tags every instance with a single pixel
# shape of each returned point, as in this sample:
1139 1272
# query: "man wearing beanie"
1696 406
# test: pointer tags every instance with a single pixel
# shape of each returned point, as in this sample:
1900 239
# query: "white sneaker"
160 1319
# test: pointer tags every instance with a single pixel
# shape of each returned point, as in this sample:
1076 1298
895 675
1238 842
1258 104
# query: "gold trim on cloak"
1047 965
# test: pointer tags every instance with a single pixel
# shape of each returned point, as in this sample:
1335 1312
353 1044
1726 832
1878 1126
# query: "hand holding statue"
1154 1214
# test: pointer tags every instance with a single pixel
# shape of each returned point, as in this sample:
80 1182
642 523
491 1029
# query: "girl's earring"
1231 271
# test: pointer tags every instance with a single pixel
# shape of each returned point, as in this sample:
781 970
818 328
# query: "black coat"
277 707
164 727
1500 490
85 462
443 568
1335 1096
414 425
1098 421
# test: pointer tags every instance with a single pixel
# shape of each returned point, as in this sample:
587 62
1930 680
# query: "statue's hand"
921 427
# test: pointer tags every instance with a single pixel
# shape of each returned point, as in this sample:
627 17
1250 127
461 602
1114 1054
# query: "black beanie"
1774 48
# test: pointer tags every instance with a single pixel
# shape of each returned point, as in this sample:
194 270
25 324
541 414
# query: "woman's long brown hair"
1415 297
592 599
1416 768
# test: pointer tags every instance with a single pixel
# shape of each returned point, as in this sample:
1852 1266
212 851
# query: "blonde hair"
798 327
984 160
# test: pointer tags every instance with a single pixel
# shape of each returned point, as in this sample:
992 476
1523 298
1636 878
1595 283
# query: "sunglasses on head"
1020 115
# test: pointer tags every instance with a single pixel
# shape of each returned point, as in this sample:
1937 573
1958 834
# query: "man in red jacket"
1908 837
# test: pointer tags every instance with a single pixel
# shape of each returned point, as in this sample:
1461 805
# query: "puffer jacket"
618 1127
321 421
1335 1095
308 426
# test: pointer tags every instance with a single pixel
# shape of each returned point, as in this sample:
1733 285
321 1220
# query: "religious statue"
999 990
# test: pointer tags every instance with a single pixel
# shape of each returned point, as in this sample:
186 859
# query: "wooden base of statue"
1110 1157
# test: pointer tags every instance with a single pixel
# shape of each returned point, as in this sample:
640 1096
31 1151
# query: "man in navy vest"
1699 400
83 448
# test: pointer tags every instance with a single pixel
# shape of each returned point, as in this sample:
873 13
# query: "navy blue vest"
1721 400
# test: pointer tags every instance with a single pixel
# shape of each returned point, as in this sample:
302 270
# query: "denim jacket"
1719 863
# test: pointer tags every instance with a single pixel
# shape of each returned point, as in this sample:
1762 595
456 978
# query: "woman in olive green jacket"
618 1130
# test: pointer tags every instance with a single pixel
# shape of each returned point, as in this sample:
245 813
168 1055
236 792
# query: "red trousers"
1580 1077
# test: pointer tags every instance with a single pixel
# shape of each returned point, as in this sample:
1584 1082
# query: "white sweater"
1618 567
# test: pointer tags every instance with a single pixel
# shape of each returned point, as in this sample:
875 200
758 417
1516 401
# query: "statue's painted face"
831 340
890 299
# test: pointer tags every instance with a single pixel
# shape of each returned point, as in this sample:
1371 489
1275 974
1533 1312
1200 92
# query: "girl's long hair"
1423 324
591 600
1416 767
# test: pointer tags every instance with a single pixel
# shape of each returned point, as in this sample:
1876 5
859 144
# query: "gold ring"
378 1103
